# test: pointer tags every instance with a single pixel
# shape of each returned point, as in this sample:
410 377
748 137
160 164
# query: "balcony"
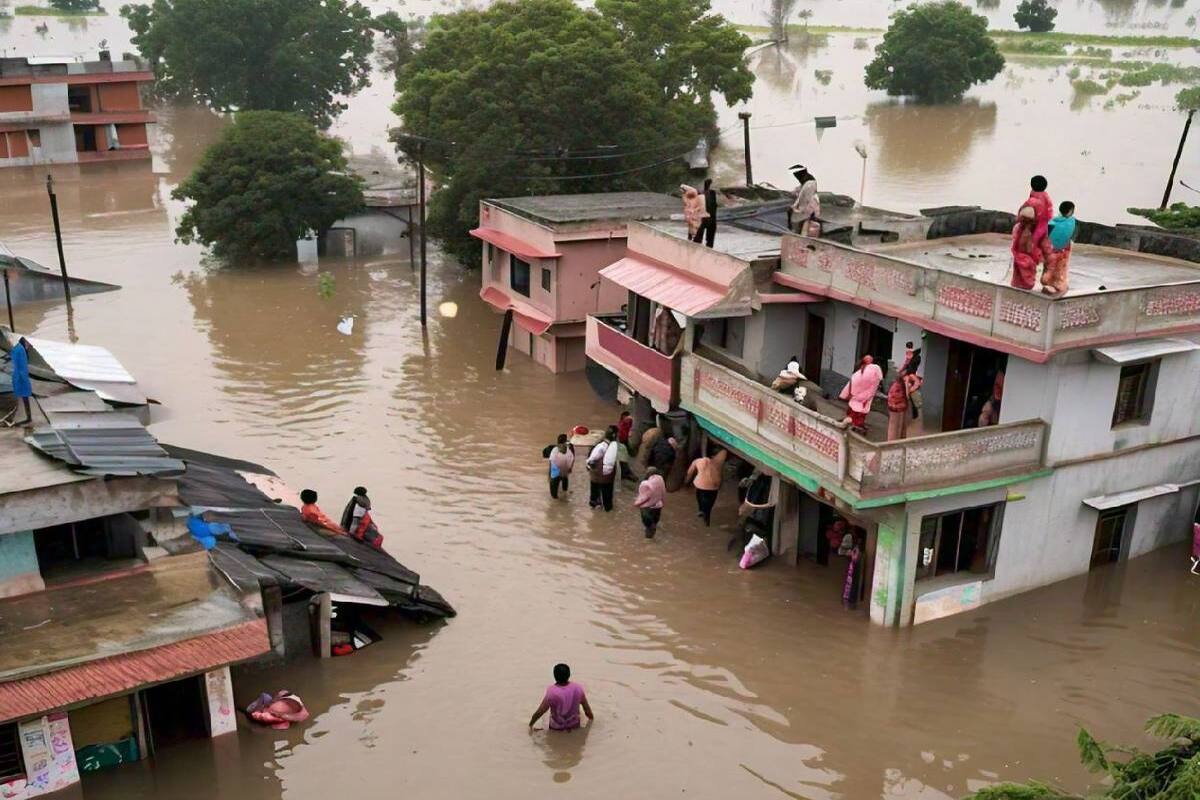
958 287
821 446
645 370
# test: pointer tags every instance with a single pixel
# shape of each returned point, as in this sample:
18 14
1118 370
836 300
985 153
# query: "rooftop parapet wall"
994 315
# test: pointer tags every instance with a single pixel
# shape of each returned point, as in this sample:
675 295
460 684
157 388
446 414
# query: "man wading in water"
563 700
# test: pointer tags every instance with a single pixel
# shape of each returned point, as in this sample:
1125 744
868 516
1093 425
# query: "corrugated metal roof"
81 362
324 576
103 443
276 530
124 673
687 294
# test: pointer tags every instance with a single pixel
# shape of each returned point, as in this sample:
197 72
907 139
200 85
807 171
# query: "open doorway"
814 347
971 381
875 341
85 138
174 712
78 549
1110 538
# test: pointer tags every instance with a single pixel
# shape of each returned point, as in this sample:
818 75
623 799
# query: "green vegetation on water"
44 11
1088 86
1004 36
1031 46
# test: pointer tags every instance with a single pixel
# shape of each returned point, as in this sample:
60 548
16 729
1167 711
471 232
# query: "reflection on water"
915 142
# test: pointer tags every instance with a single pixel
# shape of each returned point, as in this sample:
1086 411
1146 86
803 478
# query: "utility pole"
744 116
12 326
62 261
421 203
1175 165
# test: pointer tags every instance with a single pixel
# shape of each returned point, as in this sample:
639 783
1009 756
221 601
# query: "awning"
1132 352
688 294
1106 501
524 314
511 244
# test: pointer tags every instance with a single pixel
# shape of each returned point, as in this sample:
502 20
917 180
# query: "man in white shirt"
602 467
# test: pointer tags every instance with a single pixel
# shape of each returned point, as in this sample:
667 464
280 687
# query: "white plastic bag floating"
754 553
346 326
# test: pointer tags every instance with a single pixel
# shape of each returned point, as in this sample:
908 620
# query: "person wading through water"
602 467
706 472
562 461
563 700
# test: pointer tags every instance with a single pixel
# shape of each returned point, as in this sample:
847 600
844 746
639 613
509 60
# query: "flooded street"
707 681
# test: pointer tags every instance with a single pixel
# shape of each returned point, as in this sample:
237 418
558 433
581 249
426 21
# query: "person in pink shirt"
652 494
563 700
1043 209
860 391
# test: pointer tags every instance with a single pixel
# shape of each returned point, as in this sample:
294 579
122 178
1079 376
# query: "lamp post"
861 148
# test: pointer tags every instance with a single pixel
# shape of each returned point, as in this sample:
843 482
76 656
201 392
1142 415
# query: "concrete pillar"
19 572
272 596
644 418
320 611
222 714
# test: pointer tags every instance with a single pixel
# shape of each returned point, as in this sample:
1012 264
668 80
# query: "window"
493 262
545 279
79 98
960 541
518 275
1110 536
1135 393
12 763
35 138
727 333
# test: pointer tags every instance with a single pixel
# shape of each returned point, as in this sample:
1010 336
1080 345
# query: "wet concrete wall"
1076 394
19 572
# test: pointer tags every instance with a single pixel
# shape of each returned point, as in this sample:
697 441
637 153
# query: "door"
814 347
174 712
1110 536
958 377
874 341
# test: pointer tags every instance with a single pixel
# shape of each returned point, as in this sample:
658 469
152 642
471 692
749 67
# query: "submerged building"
541 259
58 111
1055 436
134 575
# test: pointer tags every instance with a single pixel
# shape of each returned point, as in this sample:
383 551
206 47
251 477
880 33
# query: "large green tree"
541 96
281 55
271 178
75 6
934 52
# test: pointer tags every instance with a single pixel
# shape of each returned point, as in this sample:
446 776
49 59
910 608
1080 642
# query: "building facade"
1054 437
541 260
68 112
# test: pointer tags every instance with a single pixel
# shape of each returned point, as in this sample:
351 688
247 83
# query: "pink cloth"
1043 207
564 705
861 389
652 493
693 206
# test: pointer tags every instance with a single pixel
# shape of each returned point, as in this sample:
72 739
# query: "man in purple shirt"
563 700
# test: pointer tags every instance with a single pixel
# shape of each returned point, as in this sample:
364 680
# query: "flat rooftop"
1093 269
171 600
565 209
742 244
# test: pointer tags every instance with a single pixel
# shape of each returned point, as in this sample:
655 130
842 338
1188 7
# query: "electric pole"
62 261
744 116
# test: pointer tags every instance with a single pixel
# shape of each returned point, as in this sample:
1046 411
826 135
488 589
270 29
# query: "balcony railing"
650 373
1028 323
814 442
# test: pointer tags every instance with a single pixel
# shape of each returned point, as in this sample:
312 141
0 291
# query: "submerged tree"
271 178
1036 15
75 6
934 52
281 55
542 96
1172 773
778 14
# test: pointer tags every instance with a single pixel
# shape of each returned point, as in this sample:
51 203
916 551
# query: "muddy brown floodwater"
707 681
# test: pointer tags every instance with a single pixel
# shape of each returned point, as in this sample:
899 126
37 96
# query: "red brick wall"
119 97
16 98
131 135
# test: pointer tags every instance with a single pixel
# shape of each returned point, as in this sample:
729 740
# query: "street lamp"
861 148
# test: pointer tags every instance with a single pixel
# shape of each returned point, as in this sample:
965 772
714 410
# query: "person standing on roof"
313 515
707 232
22 386
806 207
356 519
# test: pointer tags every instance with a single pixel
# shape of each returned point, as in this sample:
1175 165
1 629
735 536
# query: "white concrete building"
1093 456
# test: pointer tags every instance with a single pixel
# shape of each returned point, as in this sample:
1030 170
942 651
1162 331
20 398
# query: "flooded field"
707 681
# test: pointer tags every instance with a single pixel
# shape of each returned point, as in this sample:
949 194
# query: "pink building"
541 261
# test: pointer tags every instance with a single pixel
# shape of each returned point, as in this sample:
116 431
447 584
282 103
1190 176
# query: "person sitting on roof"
313 515
356 519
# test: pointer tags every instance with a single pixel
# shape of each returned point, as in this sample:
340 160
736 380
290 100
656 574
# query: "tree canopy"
77 6
1036 15
934 52
271 178
541 96
281 55
1172 773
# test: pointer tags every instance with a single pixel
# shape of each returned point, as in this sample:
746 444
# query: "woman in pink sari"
860 391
